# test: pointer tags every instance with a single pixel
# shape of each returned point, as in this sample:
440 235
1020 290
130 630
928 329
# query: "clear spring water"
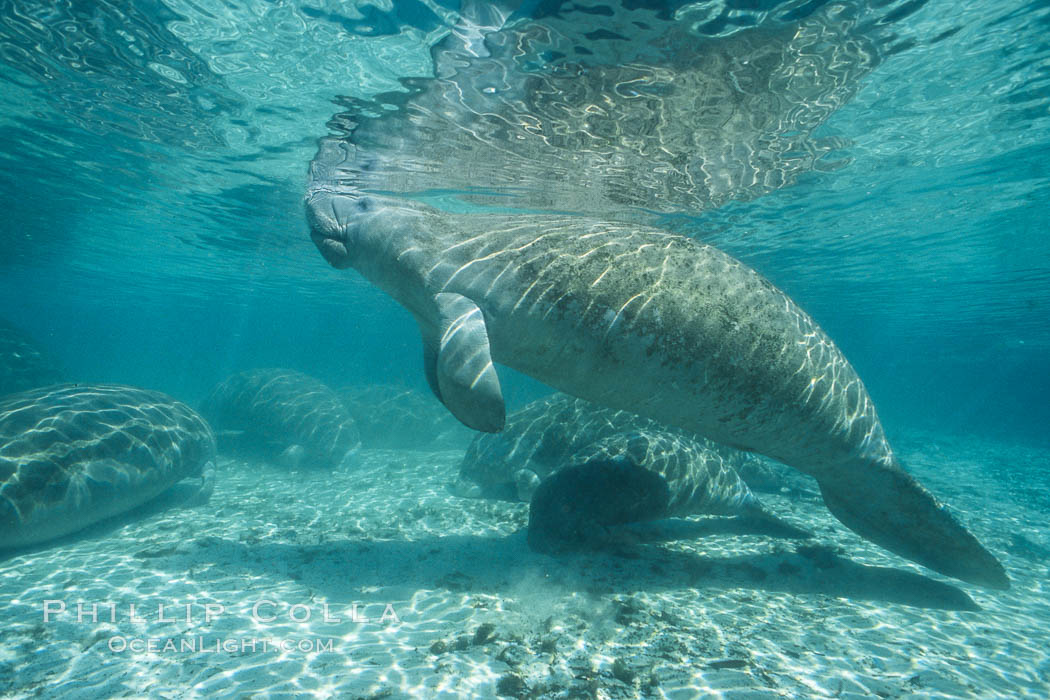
892 178
154 163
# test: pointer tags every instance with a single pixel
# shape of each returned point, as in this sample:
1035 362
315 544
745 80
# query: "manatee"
74 454
634 478
553 432
766 476
23 363
282 416
395 417
584 467
620 312
698 477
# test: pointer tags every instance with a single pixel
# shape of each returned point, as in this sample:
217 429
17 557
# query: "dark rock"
621 671
512 685
485 633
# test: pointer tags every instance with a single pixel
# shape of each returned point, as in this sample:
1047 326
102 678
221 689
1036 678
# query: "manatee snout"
293 457
573 508
559 523
329 217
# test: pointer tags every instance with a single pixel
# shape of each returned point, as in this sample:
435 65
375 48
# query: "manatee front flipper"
459 367
887 506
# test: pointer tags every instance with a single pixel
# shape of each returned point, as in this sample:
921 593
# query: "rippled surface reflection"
572 116
884 162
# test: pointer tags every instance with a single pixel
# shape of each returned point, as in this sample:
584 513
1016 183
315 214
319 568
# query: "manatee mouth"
332 249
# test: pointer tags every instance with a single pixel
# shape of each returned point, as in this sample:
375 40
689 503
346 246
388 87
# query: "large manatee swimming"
619 313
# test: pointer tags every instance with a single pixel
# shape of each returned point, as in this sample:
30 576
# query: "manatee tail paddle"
890 508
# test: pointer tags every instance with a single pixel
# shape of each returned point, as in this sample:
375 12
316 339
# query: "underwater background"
153 159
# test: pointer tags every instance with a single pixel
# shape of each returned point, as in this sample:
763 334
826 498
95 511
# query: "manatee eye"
364 204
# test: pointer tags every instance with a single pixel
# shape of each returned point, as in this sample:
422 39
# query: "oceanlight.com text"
231 645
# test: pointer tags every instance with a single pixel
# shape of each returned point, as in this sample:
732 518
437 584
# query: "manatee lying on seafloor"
636 477
584 467
74 454
282 416
23 364
545 435
394 417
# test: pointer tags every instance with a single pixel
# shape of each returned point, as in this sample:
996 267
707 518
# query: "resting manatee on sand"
392 417
635 477
583 467
282 416
74 454
631 317
554 431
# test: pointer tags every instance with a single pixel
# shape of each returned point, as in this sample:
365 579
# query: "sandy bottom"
451 603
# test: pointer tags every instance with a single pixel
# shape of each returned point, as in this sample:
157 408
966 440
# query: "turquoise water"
154 163
892 177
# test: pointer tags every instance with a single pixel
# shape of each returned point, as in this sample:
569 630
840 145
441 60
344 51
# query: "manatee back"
541 438
699 478
393 417
74 454
270 410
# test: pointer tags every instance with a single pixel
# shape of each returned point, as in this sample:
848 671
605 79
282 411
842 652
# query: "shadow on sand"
495 565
